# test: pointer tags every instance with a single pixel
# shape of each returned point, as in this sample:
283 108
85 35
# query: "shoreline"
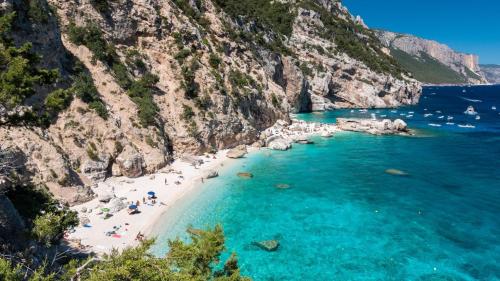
125 227
108 225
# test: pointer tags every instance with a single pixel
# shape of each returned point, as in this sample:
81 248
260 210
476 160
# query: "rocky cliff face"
465 65
491 72
221 80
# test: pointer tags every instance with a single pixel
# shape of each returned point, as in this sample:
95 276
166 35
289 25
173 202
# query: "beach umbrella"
132 207
151 193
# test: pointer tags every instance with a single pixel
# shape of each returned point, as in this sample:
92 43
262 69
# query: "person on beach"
137 203
165 181
202 180
143 200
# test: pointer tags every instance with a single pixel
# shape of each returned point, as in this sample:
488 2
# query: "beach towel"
116 236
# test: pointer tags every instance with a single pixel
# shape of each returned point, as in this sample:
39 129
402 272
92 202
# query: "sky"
466 26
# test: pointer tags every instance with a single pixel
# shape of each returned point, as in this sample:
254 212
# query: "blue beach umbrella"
132 207
151 193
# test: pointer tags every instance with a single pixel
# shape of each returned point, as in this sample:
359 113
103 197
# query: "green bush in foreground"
195 261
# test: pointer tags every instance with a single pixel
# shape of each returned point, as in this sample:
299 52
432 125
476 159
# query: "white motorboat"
467 126
470 110
434 125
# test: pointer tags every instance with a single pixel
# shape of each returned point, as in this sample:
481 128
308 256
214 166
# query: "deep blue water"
344 218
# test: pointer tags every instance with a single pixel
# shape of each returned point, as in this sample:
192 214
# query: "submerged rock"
245 175
396 172
268 245
282 186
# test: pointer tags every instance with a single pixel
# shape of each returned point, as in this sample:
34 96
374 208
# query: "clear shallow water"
344 218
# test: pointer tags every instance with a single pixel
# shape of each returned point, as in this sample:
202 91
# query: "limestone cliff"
491 72
177 77
442 64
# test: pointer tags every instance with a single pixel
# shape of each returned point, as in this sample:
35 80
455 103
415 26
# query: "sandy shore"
95 235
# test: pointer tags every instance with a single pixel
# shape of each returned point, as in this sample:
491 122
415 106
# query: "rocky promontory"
374 126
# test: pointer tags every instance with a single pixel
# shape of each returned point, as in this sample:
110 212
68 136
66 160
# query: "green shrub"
100 5
121 75
20 74
91 36
204 102
49 227
37 11
182 55
92 154
141 93
191 87
84 88
58 100
100 108
272 15
187 113
214 60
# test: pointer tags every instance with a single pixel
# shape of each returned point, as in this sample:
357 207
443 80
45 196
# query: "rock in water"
396 172
237 152
282 186
212 174
194 231
268 245
245 175
279 144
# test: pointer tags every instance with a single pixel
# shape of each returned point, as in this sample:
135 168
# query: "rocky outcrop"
491 72
237 152
11 223
374 127
130 162
466 65
335 79
278 143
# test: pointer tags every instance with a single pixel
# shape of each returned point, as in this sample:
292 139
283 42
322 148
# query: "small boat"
466 126
434 125
493 108
438 111
428 114
478 117
425 109
441 117
464 91
470 110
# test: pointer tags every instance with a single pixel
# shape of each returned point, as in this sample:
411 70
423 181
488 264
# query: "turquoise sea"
344 218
